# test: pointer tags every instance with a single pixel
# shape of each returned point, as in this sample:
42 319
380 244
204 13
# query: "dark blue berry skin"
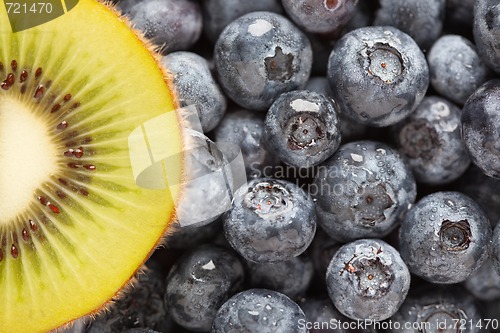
302 128
125 5
367 279
484 190
481 127
199 283
320 16
320 311
460 13
140 330
322 249
320 85
141 306
321 47
445 237
456 68
246 129
490 310
174 25
350 130
291 277
363 16
484 284
487 32
270 221
422 20
378 75
363 191
186 237
77 326
259 56
259 310
431 141
195 85
495 250
433 306
217 14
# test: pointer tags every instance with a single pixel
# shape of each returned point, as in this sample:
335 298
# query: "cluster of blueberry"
341 108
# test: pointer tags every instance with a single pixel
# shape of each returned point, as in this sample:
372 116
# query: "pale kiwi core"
28 156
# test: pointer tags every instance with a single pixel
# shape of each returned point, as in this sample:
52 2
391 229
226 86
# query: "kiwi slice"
74 225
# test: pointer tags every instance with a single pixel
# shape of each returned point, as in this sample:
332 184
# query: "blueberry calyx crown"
372 201
280 66
266 198
419 140
439 313
455 236
304 132
370 272
385 62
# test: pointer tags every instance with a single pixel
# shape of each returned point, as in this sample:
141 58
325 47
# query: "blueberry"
291 277
323 317
363 16
140 330
271 220
487 32
195 85
378 75
125 5
320 85
455 67
490 311
445 237
320 16
302 128
260 55
322 249
184 237
481 127
259 310
246 129
321 48
422 20
199 283
319 311
207 183
438 309
483 190
362 191
141 306
217 14
76 326
350 130
431 141
484 284
495 255
174 24
367 279
460 13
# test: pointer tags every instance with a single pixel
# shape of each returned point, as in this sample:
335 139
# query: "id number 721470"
25 8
